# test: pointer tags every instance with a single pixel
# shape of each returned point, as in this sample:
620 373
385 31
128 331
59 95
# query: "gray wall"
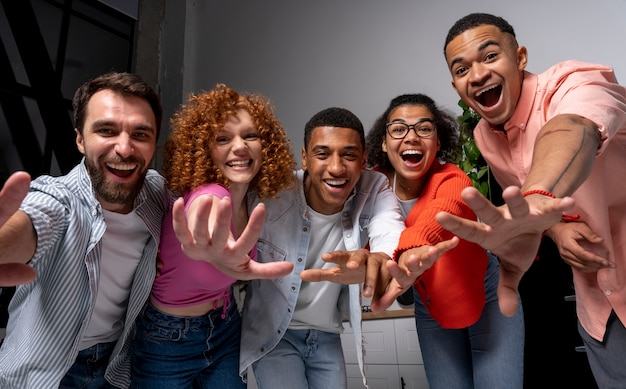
358 54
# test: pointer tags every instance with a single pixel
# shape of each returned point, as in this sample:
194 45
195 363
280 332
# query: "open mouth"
489 97
123 170
336 183
235 164
413 156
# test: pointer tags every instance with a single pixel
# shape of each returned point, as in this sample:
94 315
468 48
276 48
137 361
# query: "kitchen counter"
389 314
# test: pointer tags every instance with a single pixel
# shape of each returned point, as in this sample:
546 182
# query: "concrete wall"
359 54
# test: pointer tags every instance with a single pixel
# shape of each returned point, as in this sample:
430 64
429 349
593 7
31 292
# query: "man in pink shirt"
545 137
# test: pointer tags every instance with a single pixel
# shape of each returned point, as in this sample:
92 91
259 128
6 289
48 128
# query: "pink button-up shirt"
591 91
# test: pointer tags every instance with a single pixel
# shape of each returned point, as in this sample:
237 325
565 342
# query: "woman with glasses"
464 339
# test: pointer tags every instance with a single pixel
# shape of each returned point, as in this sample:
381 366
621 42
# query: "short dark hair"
474 20
445 123
334 117
124 83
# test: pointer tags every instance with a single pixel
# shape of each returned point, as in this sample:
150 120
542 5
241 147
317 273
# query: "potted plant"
469 158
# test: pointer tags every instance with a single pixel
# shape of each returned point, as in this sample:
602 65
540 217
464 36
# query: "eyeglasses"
423 129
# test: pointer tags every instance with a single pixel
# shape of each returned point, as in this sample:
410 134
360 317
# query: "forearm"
18 239
563 156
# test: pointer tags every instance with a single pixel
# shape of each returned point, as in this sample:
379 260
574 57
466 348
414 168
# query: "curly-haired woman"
222 144
464 339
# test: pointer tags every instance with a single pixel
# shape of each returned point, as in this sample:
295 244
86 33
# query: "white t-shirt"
317 306
122 245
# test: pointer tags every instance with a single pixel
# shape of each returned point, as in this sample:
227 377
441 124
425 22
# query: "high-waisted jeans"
187 352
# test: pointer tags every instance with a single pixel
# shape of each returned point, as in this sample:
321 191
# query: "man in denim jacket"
291 328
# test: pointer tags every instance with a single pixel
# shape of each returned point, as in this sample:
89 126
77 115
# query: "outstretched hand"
352 267
11 196
512 232
228 255
411 264
580 247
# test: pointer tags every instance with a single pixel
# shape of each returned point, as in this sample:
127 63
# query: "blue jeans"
187 352
89 367
303 359
487 354
608 358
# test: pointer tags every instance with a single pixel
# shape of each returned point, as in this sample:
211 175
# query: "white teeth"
412 152
336 182
122 166
239 163
480 92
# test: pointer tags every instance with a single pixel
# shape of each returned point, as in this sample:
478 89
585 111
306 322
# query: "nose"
478 73
239 144
124 146
412 133
335 164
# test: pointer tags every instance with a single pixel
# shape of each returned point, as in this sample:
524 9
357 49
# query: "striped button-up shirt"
48 316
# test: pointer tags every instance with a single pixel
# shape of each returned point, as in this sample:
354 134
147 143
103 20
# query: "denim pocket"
159 326
269 252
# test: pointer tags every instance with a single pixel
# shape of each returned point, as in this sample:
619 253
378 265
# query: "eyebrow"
422 120
324 147
111 123
482 47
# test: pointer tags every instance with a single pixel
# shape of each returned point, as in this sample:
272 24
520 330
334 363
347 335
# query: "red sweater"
453 288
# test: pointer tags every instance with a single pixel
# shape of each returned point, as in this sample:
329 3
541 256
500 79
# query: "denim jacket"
370 215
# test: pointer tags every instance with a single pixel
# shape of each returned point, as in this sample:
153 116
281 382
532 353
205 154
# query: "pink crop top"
183 281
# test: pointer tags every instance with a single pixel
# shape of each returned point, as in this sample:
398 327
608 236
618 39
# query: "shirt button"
299 259
305 229
348 235
608 292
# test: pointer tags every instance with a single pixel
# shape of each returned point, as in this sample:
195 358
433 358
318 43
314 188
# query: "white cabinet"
392 356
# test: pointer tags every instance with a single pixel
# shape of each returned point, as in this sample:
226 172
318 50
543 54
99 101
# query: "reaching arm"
352 267
563 155
411 265
17 236
217 245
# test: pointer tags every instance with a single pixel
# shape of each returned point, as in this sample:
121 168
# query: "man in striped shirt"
87 242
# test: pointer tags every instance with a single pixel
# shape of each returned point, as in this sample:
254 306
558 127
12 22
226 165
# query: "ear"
384 146
304 167
453 85
80 141
522 58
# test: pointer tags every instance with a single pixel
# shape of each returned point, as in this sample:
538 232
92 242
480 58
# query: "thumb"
508 297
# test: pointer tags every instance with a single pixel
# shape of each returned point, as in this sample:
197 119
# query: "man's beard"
112 192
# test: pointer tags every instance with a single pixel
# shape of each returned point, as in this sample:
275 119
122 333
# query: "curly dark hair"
445 123
474 20
187 162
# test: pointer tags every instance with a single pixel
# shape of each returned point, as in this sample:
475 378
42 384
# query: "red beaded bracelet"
566 217
538 191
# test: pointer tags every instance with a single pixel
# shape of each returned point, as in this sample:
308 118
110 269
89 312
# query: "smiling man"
90 238
291 327
555 134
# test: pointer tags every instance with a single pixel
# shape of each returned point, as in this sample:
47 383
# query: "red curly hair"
187 163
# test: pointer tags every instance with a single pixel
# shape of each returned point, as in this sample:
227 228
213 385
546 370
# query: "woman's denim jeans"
487 354
187 352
